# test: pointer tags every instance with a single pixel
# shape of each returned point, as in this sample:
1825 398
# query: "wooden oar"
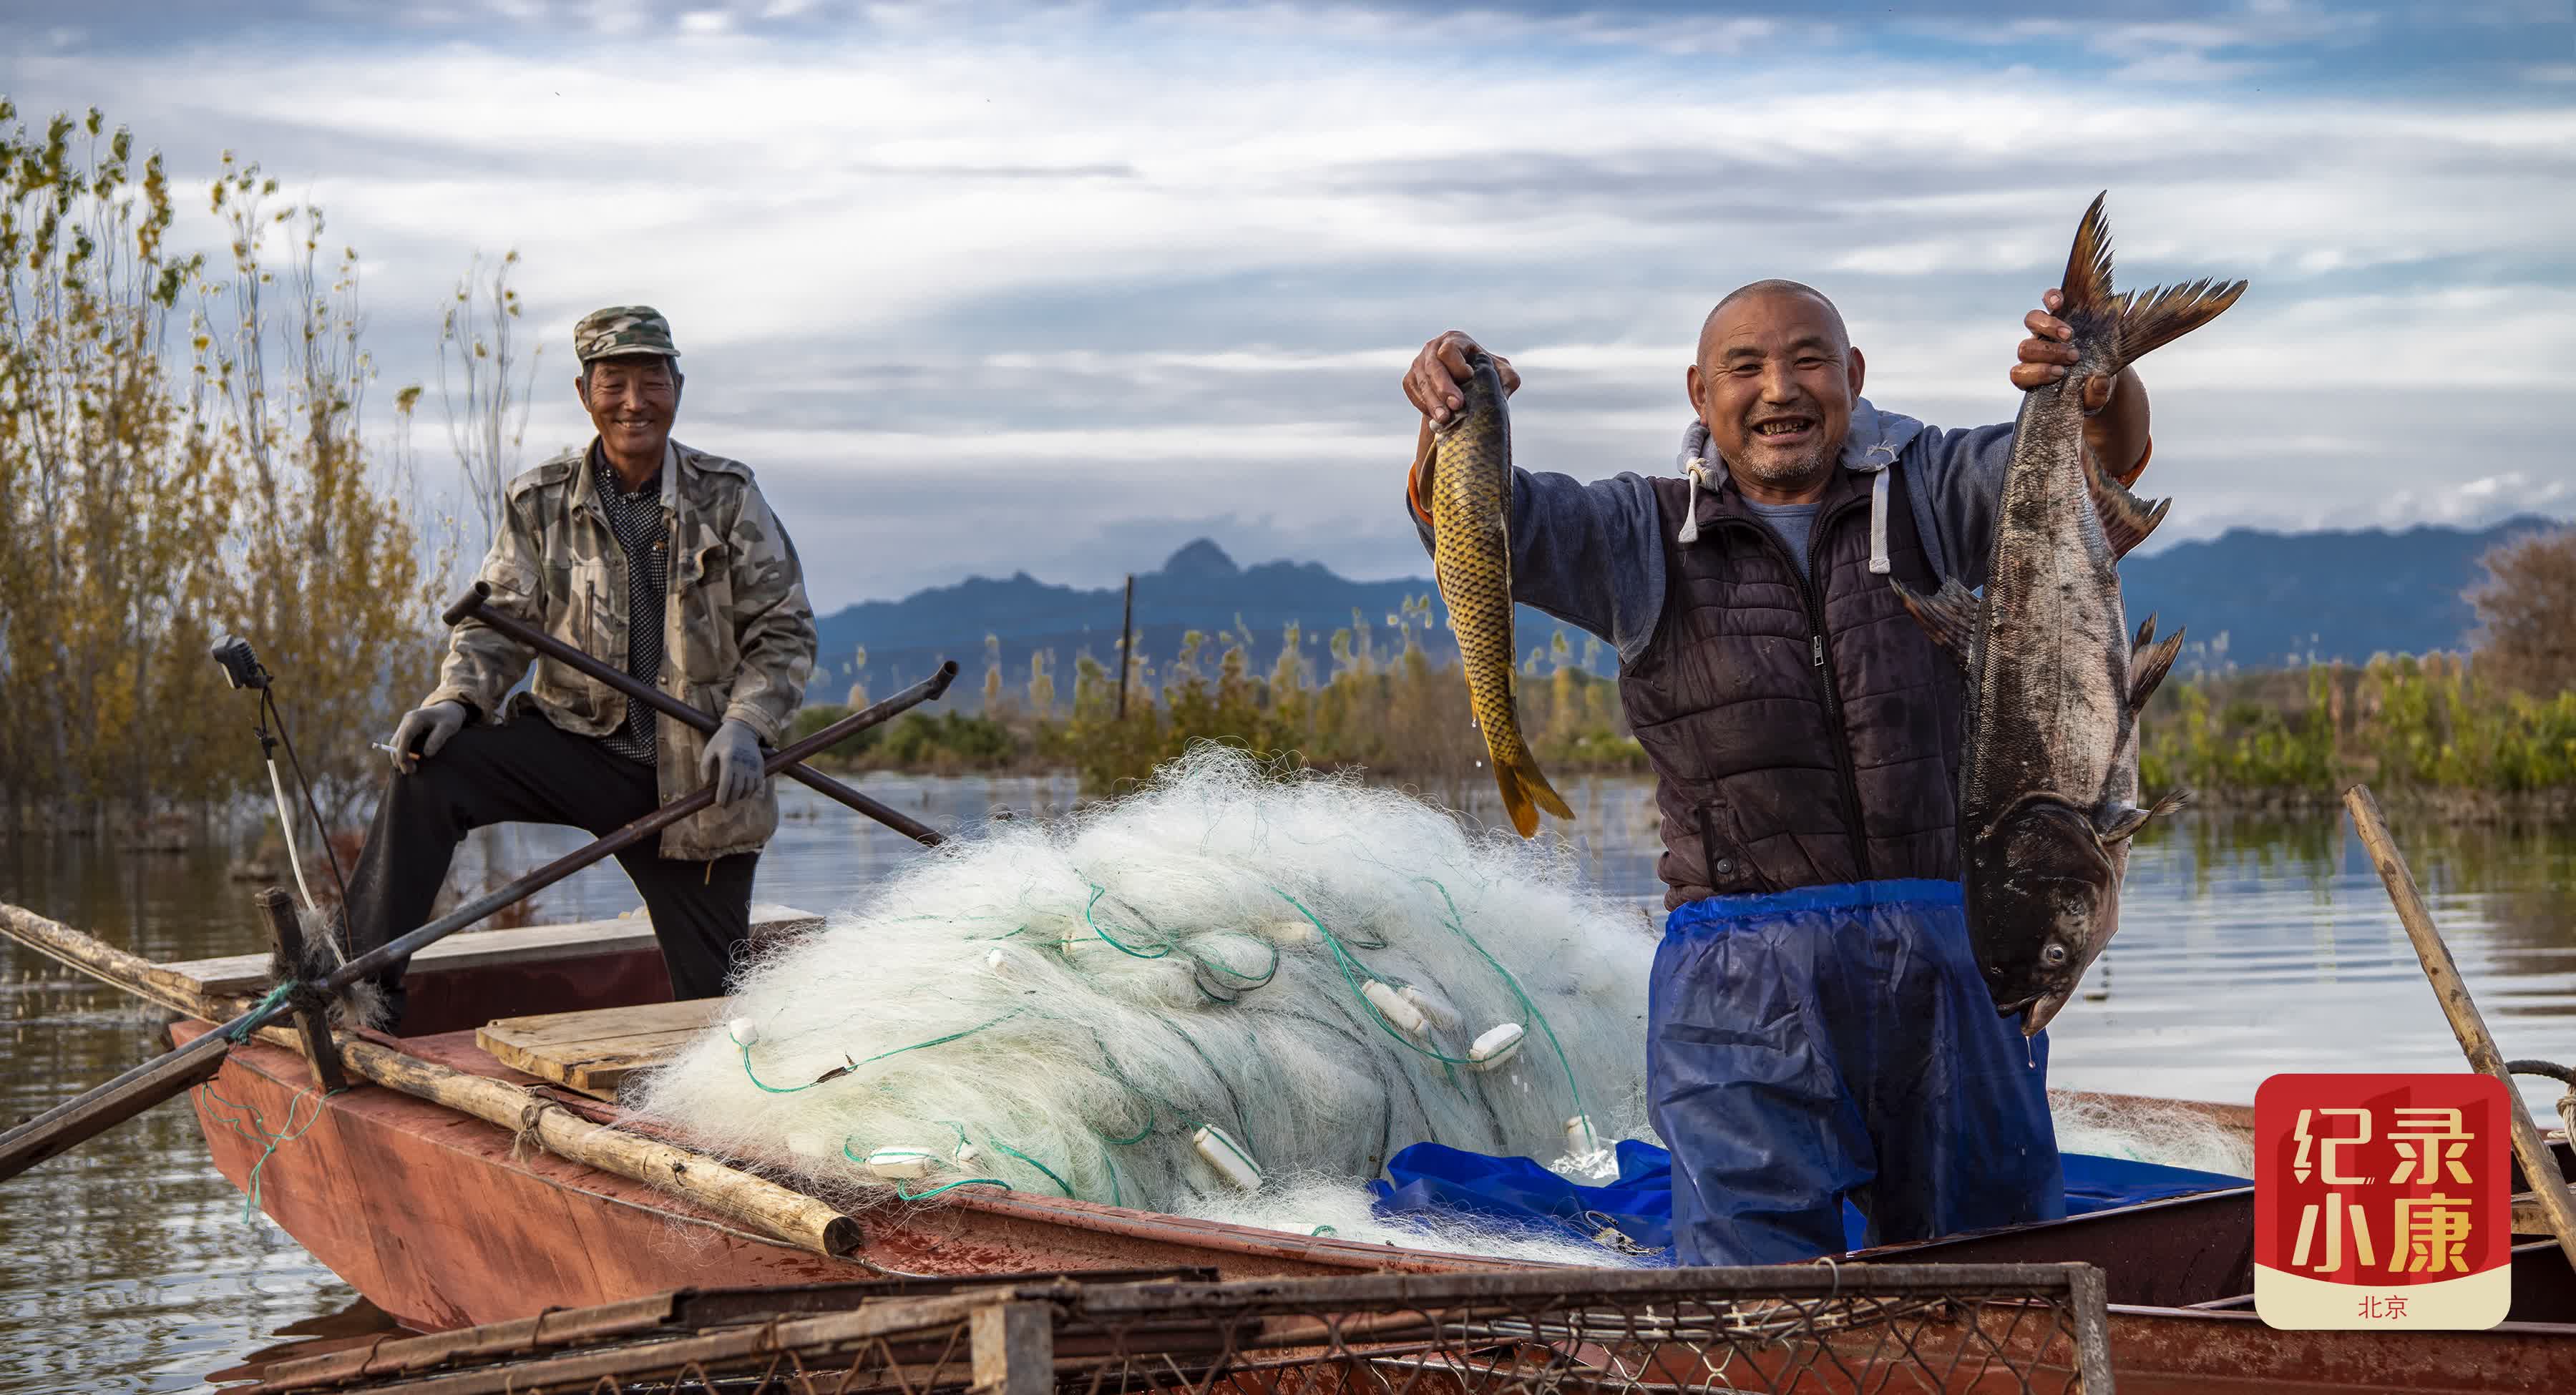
2548 1185
172 1074
475 605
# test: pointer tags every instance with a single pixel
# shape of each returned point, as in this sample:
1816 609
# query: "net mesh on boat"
1804 1328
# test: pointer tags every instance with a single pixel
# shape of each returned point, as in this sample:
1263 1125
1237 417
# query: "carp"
2048 785
1471 555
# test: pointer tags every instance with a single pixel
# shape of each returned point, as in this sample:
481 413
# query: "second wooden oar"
2548 1185
170 1075
475 605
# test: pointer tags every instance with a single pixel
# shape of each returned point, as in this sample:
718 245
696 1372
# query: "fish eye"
2053 956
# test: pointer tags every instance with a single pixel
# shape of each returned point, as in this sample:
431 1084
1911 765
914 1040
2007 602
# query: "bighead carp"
2048 789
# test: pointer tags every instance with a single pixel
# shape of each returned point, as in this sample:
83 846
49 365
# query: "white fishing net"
2172 1134
1182 999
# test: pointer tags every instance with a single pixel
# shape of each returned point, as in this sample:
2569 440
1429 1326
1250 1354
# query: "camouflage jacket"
738 638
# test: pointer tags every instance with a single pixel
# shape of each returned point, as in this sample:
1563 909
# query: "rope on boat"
241 1030
2551 1070
526 1133
258 1133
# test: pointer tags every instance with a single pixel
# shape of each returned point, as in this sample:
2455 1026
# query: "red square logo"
2382 1201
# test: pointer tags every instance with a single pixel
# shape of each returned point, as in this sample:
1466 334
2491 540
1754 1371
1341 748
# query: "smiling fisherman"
1817 1030
655 558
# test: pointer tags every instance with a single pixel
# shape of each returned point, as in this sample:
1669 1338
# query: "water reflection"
2248 946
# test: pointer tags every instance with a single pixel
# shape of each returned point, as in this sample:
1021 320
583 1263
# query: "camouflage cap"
622 329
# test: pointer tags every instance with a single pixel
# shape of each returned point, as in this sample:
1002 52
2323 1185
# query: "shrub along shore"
2428 730
2432 731
1394 714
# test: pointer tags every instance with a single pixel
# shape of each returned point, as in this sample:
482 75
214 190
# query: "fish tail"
1525 791
1516 801
2154 318
2130 325
2086 285
1535 786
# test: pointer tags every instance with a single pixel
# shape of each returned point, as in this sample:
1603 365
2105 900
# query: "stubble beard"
1789 473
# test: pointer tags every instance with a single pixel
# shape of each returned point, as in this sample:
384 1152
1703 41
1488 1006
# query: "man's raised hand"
1436 383
2043 358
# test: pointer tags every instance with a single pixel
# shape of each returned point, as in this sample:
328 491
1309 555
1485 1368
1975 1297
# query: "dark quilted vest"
1779 762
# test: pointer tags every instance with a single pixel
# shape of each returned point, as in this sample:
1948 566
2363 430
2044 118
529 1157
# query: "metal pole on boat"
171 1074
2541 1169
1126 642
472 605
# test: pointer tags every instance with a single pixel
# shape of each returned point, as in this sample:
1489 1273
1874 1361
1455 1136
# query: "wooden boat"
446 1220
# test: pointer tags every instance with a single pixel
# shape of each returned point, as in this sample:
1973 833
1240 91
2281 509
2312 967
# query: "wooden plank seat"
245 975
593 1051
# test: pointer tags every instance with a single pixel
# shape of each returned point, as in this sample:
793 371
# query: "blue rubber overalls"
1835 1041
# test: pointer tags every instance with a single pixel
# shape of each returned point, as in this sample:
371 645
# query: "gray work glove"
430 726
732 762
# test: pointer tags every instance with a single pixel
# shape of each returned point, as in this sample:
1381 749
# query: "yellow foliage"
148 510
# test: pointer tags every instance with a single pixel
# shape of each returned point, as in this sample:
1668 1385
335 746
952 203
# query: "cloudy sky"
983 289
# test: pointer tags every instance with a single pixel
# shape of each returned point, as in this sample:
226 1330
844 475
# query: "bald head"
1774 382
1708 328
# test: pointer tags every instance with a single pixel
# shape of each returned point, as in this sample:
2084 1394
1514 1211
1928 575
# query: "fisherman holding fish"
1819 1028
658 559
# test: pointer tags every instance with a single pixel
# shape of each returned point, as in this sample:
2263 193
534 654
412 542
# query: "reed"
1393 710
2434 722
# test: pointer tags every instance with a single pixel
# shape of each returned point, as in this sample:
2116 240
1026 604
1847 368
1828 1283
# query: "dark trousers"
531 771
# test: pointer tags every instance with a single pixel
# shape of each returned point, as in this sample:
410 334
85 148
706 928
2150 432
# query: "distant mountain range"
2262 600
2247 599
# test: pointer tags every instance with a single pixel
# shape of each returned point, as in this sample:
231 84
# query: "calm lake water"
2246 948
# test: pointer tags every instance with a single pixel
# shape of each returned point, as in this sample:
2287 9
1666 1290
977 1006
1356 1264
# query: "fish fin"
2115 823
1516 793
1949 615
2086 285
1536 787
1516 801
2149 664
2136 324
2126 518
2153 318
1525 791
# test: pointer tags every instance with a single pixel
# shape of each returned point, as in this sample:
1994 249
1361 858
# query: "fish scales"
2048 788
1471 494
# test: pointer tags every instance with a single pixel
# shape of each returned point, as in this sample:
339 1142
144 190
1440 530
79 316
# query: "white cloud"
1171 268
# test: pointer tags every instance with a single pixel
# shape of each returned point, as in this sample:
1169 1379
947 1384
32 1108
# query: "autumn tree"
485 385
328 577
110 508
2526 608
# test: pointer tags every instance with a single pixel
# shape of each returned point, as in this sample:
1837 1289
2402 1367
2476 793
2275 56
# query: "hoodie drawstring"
1697 468
1878 523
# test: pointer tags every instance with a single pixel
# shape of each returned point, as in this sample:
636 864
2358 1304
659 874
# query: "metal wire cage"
1804 1328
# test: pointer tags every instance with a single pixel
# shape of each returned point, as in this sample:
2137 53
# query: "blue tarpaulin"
1430 1180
